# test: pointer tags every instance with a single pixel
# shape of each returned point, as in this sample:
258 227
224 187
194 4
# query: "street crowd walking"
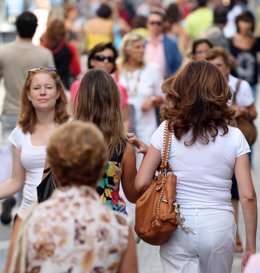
90 100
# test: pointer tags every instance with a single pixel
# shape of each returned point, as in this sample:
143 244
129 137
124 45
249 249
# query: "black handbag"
47 186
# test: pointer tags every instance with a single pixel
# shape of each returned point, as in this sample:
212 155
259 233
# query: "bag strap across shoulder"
236 91
166 148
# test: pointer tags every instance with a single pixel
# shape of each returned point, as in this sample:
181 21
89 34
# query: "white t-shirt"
244 96
204 172
142 84
32 159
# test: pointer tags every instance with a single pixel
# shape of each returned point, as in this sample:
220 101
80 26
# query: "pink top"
124 98
155 54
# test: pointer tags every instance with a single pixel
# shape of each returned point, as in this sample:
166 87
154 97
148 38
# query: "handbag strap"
165 166
236 91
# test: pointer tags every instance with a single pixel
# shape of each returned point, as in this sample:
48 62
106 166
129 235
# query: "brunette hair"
246 16
98 101
55 33
196 100
216 52
99 48
127 41
198 42
28 118
77 154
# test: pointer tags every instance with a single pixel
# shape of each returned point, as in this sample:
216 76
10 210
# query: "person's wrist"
153 99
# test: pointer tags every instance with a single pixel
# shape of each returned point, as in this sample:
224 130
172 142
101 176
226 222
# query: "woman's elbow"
248 198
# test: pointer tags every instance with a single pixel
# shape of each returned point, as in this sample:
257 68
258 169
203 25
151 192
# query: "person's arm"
147 169
129 261
126 115
246 111
13 239
248 203
128 166
151 101
17 180
142 148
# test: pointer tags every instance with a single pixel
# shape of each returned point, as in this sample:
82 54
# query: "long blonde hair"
98 101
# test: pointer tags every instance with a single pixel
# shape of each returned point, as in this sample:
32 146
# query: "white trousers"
208 248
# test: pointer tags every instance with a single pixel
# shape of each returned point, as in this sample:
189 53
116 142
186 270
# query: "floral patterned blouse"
73 232
109 187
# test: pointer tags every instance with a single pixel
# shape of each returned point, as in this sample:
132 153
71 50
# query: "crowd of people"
91 99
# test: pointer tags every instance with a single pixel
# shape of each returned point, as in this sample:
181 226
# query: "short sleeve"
157 137
16 137
245 95
242 146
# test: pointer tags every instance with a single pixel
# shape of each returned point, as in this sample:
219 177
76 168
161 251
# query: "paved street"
149 261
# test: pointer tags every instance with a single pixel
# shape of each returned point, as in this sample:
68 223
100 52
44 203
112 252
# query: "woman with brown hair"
103 56
205 151
98 101
43 108
64 53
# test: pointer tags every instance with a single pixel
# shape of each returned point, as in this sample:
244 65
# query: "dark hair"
202 3
197 42
139 21
246 16
220 15
104 11
99 48
173 14
26 24
196 100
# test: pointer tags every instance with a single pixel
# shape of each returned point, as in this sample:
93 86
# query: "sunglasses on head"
48 69
102 58
158 23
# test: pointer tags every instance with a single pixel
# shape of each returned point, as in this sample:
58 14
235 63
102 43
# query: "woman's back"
72 238
109 185
204 172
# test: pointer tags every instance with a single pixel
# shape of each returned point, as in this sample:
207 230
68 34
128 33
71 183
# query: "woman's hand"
245 259
141 146
148 103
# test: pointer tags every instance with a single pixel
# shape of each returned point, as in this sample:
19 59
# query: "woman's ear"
29 96
92 63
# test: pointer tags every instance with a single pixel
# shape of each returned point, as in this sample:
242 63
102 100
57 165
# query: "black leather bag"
47 186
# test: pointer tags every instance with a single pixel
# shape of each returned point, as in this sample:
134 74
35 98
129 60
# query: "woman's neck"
133 65
44 118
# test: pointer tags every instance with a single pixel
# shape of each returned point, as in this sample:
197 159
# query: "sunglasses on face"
102 58
48 69
158 23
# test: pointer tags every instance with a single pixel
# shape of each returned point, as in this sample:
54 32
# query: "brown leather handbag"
157 212
246 125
